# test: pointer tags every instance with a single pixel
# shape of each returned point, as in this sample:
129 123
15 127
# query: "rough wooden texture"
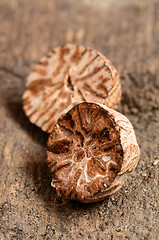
128 34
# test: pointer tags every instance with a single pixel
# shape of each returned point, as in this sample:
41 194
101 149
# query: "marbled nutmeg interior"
85 152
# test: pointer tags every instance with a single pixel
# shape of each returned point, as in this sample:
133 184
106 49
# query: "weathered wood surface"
128 34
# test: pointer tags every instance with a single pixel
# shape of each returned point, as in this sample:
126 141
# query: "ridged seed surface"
65 77
85 152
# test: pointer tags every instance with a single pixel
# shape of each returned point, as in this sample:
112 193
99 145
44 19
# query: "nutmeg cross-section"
86 152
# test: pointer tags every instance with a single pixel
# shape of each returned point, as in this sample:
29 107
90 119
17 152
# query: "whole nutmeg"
65 77
91 151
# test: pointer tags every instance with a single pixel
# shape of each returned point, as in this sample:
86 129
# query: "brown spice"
91 151
72 74
71 93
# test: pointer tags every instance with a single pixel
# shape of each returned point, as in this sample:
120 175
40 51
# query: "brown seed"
66 76
91 150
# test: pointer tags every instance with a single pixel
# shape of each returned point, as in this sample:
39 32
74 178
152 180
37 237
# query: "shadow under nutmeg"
39 179
16 112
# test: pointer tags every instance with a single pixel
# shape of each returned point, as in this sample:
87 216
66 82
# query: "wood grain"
128 34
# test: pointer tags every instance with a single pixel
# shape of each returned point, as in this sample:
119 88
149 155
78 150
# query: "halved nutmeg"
65 77
91 150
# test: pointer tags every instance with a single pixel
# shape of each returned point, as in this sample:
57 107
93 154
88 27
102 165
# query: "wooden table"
128 34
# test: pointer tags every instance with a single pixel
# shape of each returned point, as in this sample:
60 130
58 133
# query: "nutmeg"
65 77
71 93
91 151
